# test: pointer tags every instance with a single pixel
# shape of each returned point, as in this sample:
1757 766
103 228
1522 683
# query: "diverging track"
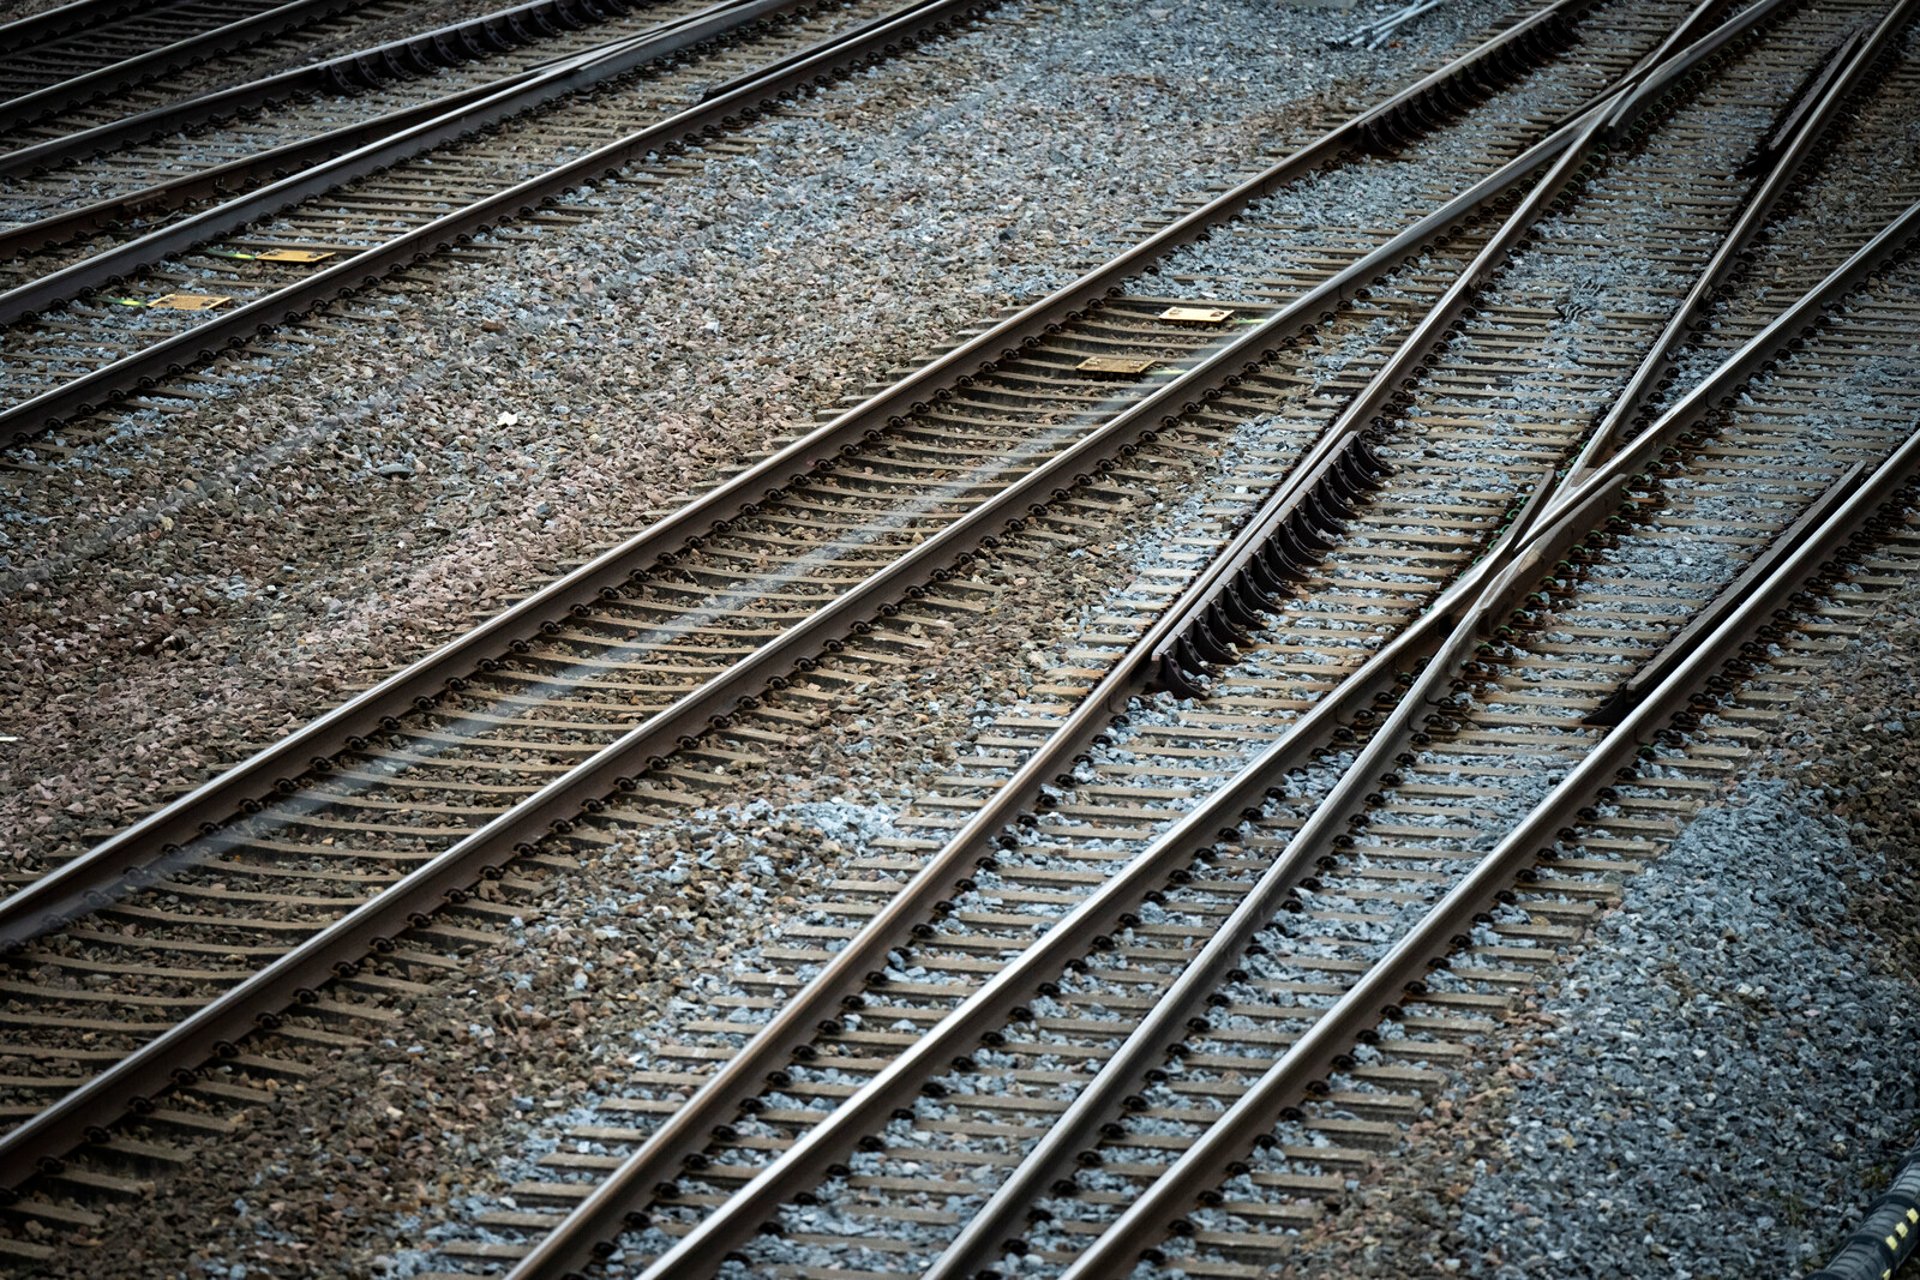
1352 549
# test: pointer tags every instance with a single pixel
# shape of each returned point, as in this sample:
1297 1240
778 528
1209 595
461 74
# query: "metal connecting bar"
183 819
1375 33
1446 928
569 76
30 107
1809 121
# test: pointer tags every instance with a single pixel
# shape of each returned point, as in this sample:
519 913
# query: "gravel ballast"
1711 1112
1717 1082
1710 1087
341 510
206 579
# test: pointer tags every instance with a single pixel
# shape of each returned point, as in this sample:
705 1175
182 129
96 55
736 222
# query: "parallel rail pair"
1356 467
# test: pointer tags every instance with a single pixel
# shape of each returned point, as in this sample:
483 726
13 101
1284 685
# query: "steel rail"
214 1030
596 1218
210 1031
1292 521
258 776
30 108
1629 408
857 1116
1635 688
1105 1095
1431 96
1288 529
406 57
1447 636
219 180
1284 534
75 886
1781 333
1447 926
22 34
569 76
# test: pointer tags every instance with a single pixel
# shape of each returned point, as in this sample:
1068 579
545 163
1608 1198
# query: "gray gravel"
228 570
1725 1058
232 604
1715 1085
1743 1028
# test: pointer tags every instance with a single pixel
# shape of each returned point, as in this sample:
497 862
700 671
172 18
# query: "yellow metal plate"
1114 364
294 255
189 302
1196 315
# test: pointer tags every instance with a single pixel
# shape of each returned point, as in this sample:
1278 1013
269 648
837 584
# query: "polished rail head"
1438 933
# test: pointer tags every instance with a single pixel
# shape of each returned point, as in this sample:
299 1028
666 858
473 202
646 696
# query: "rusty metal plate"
189 302
293 255
1196 315
1114 364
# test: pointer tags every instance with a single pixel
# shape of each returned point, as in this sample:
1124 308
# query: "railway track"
51 48
595 695
931 999
86 65
78 191
129 318
434 802
828 535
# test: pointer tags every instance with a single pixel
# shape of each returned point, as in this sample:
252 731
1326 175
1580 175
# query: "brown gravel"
212 578
225 574
420 1125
